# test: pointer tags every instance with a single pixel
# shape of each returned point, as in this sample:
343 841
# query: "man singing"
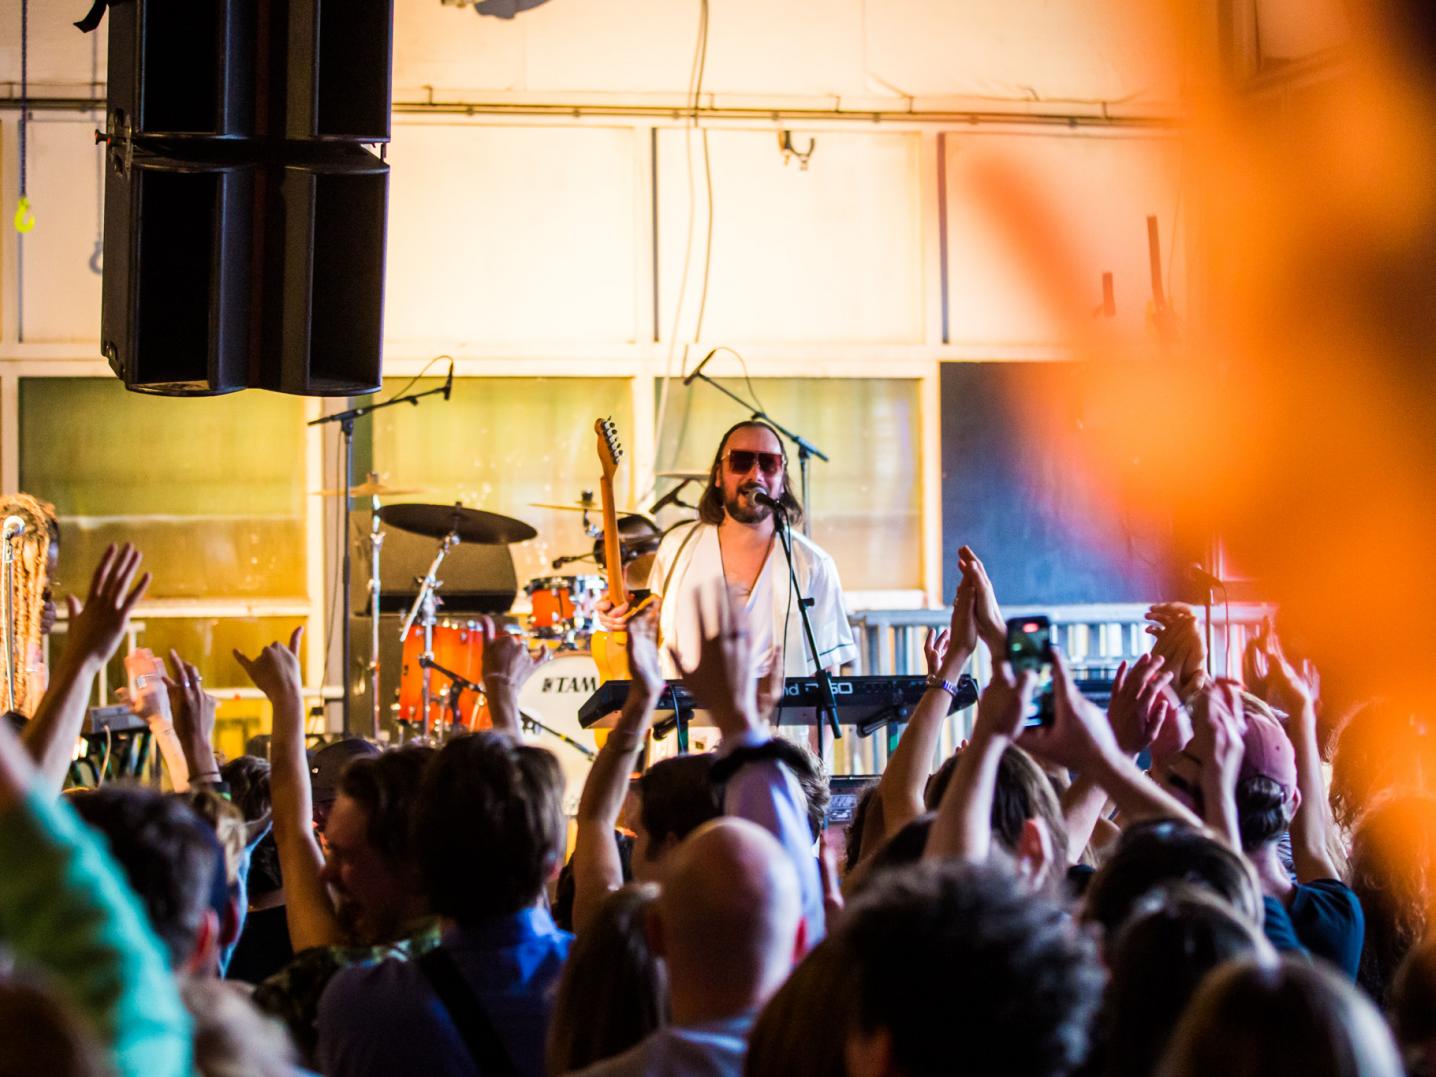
736 540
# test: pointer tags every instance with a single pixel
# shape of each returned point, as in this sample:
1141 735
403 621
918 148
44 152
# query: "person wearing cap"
326 765
1280 796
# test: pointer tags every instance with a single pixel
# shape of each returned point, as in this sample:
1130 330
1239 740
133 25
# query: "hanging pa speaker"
244 219
176 298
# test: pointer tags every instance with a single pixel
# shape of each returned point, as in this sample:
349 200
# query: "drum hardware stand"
806 449
425 608
376 543
345 419
459 684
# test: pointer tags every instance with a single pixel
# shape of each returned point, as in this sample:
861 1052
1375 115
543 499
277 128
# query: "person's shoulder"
391 978
1325 897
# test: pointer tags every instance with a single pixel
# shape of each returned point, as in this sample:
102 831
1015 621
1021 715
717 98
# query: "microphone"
449 382
763 498
670 498
698 369
13 527
1205 578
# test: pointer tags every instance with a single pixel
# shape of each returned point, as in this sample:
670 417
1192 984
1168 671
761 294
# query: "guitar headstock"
610 452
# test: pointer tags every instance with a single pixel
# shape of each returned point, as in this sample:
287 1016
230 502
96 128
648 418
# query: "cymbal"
569 506
471 525
692 476
373 489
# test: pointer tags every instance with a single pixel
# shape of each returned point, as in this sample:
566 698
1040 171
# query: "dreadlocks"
32 550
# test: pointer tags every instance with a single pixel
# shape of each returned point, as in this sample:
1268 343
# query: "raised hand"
934 647
991 628
724 682
1079 737
1179 644
644 668
507 658
1004 701
1140 703
194 712
95 631
275 672
1217 728
1292 690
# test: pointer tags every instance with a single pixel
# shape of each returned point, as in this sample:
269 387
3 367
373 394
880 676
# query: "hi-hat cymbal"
471 525
374 489
691 476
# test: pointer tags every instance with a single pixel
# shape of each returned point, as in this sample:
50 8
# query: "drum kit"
439 691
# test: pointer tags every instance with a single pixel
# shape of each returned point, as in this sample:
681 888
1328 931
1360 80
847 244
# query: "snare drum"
459 646
553 696
563 603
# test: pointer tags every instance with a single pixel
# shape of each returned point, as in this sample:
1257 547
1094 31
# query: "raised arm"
193 710
307 909
963 827
1217 725
65 908
900 789
1311 827
508 663
758 786
596 867
92 637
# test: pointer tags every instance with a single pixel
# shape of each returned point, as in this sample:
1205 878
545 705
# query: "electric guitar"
610 649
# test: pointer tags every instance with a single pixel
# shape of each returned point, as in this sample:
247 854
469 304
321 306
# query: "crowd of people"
1209 876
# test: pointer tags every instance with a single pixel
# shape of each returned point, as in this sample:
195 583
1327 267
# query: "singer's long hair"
32 549
710 505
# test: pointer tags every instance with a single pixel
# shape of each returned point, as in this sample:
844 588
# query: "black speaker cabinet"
176 296
244 217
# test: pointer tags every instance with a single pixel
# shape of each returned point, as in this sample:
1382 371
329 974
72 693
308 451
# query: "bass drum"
552 696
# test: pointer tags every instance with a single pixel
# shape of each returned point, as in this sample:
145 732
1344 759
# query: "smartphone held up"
1029 647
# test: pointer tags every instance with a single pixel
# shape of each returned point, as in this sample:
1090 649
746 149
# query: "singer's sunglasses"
741 461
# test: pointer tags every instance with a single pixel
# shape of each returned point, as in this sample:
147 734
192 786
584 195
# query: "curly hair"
955 960
1382 748
1393 872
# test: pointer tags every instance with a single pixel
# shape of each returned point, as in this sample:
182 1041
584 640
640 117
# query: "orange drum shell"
458 646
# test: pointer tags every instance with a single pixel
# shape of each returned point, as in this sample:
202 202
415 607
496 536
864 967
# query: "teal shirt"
66 909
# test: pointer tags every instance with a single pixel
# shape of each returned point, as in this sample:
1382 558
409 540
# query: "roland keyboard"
866 702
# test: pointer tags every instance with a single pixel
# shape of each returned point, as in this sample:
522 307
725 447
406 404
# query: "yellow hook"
24 219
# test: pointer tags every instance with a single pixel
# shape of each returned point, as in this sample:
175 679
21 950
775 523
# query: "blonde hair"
32 576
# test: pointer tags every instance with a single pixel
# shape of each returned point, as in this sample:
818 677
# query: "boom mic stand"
345 419
806 449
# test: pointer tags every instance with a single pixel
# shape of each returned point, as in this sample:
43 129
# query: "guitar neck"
612 546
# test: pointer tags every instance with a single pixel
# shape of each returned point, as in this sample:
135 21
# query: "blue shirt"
385 1018
1323 918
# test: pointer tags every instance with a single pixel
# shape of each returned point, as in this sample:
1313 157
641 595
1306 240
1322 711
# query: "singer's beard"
746 512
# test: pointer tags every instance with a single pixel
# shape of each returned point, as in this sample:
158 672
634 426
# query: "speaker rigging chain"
24 217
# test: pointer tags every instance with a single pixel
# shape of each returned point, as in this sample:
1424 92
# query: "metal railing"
1093 638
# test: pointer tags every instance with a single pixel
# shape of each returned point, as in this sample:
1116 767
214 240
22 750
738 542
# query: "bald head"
730 916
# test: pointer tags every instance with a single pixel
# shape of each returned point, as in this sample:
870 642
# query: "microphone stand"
345 419
806 449
827 702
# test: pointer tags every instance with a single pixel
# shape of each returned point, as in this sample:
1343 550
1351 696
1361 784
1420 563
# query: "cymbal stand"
345 419
376 543
425 608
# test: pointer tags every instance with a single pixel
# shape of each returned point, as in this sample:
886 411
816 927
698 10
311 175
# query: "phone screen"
1029 647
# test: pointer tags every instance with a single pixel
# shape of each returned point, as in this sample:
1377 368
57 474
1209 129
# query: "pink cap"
1267 751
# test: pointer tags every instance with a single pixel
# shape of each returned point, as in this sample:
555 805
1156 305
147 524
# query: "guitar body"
610 655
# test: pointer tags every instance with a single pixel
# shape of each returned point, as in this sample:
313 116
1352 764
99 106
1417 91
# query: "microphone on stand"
13 527
670 498
763 498
698 369
449 381
1205 578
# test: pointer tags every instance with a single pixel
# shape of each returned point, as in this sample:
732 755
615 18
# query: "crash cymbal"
471 525
691 476
373 489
